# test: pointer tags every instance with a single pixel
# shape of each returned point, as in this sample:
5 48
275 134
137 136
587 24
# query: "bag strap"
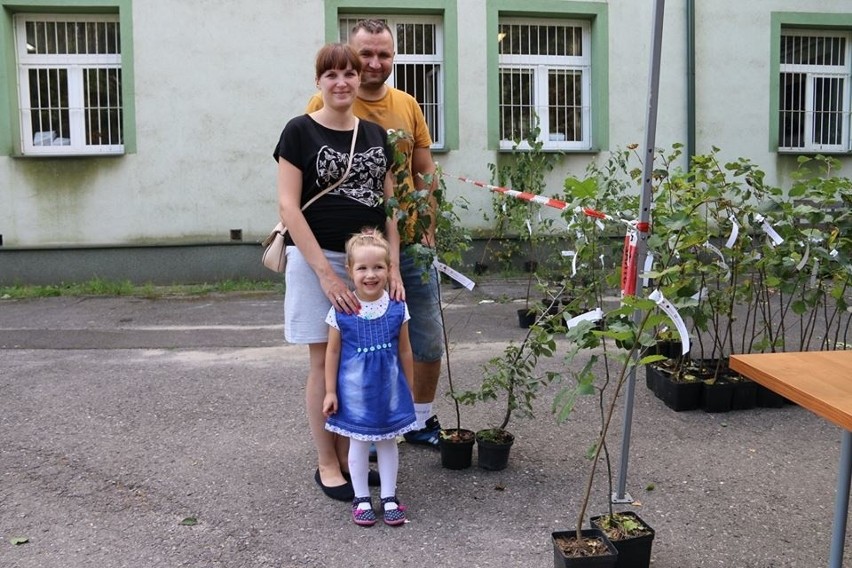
345 173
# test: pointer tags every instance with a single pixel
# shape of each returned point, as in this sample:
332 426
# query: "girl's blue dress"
374 401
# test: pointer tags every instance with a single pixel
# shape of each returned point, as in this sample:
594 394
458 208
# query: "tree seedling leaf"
19 540
189 522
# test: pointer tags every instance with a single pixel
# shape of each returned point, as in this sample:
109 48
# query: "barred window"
418 64
545 80
69 71
814 90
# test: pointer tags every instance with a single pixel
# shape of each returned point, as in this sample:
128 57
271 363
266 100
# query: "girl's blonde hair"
368 236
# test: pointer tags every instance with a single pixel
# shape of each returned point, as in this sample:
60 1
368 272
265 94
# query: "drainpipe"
690 81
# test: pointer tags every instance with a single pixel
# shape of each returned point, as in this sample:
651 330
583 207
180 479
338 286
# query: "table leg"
841 501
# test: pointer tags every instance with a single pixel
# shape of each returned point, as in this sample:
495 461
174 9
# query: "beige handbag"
275 251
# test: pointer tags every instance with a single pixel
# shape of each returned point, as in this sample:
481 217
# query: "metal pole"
841 501
620 496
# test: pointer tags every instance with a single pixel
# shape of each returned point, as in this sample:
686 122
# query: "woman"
312 154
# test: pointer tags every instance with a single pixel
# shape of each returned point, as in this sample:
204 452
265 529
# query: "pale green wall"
213 83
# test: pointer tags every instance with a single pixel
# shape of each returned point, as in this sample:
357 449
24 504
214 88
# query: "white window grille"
418 64
814 91
545 80
69 77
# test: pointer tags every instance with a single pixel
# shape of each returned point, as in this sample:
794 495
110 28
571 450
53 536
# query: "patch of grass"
100 287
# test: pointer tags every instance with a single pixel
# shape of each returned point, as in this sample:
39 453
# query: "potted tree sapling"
524 170
513 377
802 284
629 533
422 212
452 239
701 267
602 354
600 361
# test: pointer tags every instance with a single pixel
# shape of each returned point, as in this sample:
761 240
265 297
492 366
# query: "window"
418 64
69 72
814 90
545 81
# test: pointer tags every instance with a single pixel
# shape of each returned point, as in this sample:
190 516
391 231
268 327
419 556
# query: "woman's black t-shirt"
322 154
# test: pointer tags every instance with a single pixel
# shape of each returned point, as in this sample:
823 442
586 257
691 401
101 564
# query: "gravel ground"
121 417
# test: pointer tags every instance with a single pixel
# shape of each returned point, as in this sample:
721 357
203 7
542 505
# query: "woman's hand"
343 299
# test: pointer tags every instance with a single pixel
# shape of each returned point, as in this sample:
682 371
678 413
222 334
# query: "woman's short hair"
337 56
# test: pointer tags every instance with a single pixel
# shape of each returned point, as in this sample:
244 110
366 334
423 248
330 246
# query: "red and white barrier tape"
540 199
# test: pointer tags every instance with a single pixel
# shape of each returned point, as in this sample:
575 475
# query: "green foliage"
744 297
613 347
736 294
427 218
514 376
429 221
606 190
519 224
100 287
620 526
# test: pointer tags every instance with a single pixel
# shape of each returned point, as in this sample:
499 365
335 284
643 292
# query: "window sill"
805 152
572 151
41 156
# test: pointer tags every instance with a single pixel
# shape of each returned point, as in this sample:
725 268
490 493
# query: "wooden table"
820 381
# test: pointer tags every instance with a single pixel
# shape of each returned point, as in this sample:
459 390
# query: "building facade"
136 137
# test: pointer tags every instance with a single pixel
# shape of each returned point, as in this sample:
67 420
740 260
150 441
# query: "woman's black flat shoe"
373 478
339 492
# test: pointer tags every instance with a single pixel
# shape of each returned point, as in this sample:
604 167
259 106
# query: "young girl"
368 372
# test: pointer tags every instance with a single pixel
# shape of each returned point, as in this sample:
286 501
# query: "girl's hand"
395 288
329 404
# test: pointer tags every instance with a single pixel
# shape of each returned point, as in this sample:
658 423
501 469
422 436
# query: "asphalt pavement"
123 420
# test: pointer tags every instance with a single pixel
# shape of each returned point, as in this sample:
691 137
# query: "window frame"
541 66
597 16
74 67
446 11
437 127
797 23
11 143
812 74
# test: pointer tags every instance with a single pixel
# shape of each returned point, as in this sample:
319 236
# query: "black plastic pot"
767 398
653 380
492 455
526 318
457 453
717 396
670 348
680 396
633 552
605 561
745 395
650 379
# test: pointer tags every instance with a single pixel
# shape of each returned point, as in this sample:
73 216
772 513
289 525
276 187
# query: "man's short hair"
371 26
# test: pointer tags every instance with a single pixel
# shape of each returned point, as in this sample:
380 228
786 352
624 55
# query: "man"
396 110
